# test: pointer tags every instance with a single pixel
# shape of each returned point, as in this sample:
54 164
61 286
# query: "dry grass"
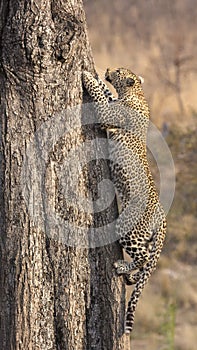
148 38
170 293
186 337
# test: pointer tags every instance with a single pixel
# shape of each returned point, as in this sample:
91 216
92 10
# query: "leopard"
141 224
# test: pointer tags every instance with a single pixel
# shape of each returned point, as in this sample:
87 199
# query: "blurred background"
157 39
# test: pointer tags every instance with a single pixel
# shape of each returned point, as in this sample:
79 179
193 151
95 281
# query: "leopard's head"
124 81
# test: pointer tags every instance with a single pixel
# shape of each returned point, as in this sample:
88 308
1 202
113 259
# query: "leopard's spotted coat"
141 225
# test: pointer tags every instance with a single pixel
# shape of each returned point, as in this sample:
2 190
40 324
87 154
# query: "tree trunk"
58 289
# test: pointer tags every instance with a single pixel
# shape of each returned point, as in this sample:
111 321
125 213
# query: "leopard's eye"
130 82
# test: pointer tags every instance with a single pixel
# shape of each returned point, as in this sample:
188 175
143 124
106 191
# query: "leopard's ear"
141 79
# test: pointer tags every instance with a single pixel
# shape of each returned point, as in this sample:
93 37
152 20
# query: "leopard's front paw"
87 76
121 267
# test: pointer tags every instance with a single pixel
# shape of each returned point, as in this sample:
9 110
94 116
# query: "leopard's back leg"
157 245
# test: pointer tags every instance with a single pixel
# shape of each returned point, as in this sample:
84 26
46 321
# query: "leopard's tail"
158 239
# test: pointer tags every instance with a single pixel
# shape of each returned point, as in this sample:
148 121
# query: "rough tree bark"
55 293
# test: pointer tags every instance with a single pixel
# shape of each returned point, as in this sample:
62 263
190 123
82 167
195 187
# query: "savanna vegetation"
157 39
